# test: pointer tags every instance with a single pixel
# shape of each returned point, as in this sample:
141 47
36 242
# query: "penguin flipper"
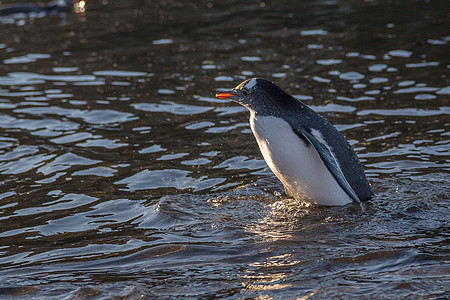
328 159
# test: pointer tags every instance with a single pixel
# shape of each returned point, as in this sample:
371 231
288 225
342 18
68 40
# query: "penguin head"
259 95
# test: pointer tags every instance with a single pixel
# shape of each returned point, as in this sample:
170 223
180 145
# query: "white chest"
296 164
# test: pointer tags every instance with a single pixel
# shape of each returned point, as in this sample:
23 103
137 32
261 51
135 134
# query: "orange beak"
225 95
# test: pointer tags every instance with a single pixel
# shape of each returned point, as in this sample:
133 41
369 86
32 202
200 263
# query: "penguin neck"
279 109
263 112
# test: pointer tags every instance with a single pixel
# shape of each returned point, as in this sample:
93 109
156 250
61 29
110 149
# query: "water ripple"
95 116
413 112
172 107
122 176
168 178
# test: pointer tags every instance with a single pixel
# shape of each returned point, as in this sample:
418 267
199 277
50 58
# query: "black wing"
329 160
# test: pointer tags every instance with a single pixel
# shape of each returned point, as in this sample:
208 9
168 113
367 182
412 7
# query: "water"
122 175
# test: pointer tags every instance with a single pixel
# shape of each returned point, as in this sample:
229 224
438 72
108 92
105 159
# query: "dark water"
121 176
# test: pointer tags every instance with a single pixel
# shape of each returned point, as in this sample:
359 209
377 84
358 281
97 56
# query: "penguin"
313 161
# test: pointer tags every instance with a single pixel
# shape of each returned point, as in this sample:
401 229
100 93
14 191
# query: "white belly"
297 166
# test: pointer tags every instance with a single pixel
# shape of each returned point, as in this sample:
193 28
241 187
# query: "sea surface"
123 177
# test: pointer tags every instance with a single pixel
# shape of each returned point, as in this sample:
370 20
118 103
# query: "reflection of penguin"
77 6
311 158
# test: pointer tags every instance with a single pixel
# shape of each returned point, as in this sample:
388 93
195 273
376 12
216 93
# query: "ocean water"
123 177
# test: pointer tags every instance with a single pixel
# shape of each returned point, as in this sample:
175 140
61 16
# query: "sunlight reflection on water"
122 175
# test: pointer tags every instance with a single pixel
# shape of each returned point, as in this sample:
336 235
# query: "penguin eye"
244 92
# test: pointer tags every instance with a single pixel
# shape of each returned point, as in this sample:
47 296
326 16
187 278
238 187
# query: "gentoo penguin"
309 156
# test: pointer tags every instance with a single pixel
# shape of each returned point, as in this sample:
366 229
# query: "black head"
261 96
